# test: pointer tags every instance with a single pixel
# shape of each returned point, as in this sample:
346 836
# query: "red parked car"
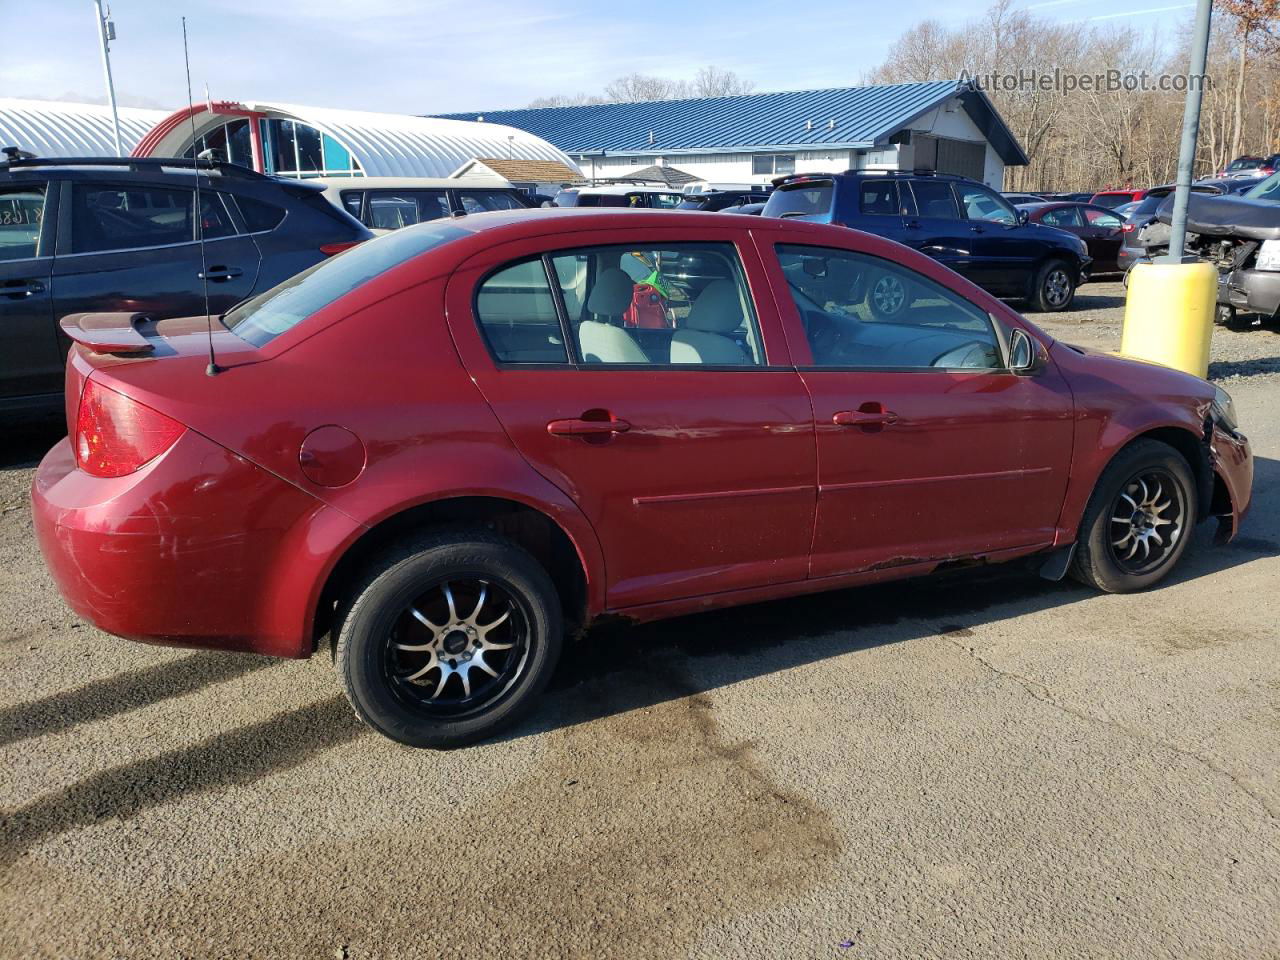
1117 198
1101 229
444 450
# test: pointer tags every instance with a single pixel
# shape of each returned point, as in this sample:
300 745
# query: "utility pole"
107 32
1190 130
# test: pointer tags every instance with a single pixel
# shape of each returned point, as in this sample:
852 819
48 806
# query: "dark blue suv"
961 223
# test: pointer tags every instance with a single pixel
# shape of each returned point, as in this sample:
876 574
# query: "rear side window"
517 315
935 199
807 198
105 218
259 215
1061 217
879 199
21 212
391 210
478 201
281 308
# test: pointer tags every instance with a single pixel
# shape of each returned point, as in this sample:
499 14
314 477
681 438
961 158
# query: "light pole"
106 32
1190 130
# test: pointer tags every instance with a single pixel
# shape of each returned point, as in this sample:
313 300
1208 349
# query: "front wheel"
1053 288
1138 521
448 639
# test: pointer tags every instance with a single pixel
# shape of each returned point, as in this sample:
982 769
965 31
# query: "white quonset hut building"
297 141
942 126
53 128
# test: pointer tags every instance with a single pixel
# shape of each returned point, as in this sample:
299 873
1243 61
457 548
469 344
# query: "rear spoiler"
107 332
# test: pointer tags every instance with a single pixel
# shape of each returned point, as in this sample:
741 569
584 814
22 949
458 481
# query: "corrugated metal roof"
51 128
400 145
841 116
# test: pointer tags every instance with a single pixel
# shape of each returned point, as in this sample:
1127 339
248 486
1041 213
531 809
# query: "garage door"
944 155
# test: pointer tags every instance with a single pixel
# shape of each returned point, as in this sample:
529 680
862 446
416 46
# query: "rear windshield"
807 198
270 314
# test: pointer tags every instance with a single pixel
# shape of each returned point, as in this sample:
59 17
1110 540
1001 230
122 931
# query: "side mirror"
1026 356
1023 218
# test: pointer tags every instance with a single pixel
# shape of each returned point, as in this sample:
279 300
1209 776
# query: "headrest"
718 308
611 294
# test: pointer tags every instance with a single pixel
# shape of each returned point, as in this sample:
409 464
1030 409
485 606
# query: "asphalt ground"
977 765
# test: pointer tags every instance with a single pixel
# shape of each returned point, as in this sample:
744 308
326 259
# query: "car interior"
935 328
687 304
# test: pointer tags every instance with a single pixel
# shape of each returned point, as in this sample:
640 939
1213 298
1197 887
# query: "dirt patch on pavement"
633 834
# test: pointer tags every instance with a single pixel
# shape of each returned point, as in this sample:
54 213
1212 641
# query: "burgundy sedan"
449 447
1101 229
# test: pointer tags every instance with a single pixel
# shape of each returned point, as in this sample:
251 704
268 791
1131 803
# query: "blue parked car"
960 222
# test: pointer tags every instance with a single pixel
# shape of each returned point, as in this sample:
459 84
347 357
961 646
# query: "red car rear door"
690 449
928 447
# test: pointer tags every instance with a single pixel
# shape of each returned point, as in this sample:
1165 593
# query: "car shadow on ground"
1223 369
1087 299
612 669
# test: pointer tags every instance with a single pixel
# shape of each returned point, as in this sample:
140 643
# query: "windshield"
270 314
807 198
1268 189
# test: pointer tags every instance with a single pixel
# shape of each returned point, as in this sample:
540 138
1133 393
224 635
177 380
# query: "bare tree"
639 86
712 81
567 100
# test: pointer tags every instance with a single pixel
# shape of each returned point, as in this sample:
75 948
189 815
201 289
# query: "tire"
1053 288
1125 566
448 639
888 297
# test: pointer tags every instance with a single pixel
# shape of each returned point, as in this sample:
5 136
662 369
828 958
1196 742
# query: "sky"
438 56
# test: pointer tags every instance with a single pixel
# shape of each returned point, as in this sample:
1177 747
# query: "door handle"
220 274
911 224
978 229
864 418
22 289
587 428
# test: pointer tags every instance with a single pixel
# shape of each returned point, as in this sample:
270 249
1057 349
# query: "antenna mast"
213 369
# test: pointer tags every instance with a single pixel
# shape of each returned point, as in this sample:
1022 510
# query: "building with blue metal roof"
944 126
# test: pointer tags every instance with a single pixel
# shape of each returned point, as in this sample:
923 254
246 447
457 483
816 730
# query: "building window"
773 164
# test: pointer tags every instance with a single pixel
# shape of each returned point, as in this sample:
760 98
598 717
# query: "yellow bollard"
1168 314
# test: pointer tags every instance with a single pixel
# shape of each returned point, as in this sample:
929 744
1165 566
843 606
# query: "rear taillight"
116 436
1128 227
1267 170
329 249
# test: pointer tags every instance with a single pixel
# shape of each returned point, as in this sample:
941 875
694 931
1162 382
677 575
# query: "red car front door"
928 447
689 449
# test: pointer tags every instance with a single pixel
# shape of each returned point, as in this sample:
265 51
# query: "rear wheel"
1053 288
449 639
1139 519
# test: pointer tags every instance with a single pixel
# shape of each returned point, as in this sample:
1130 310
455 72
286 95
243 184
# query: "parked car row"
963 224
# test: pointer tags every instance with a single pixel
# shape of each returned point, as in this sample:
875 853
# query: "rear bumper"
198 548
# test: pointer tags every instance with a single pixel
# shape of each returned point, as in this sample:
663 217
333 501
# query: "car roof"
409 183
612 188
498 226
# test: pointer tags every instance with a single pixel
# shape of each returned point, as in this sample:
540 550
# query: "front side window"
665 201
863 312
21 213
934 199
1268 189
283 307
979 203
112 217
1102 218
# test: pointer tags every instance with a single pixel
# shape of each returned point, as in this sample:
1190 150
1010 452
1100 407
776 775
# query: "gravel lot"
971 766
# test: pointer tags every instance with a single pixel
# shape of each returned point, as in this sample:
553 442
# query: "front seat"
716 312
606 342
